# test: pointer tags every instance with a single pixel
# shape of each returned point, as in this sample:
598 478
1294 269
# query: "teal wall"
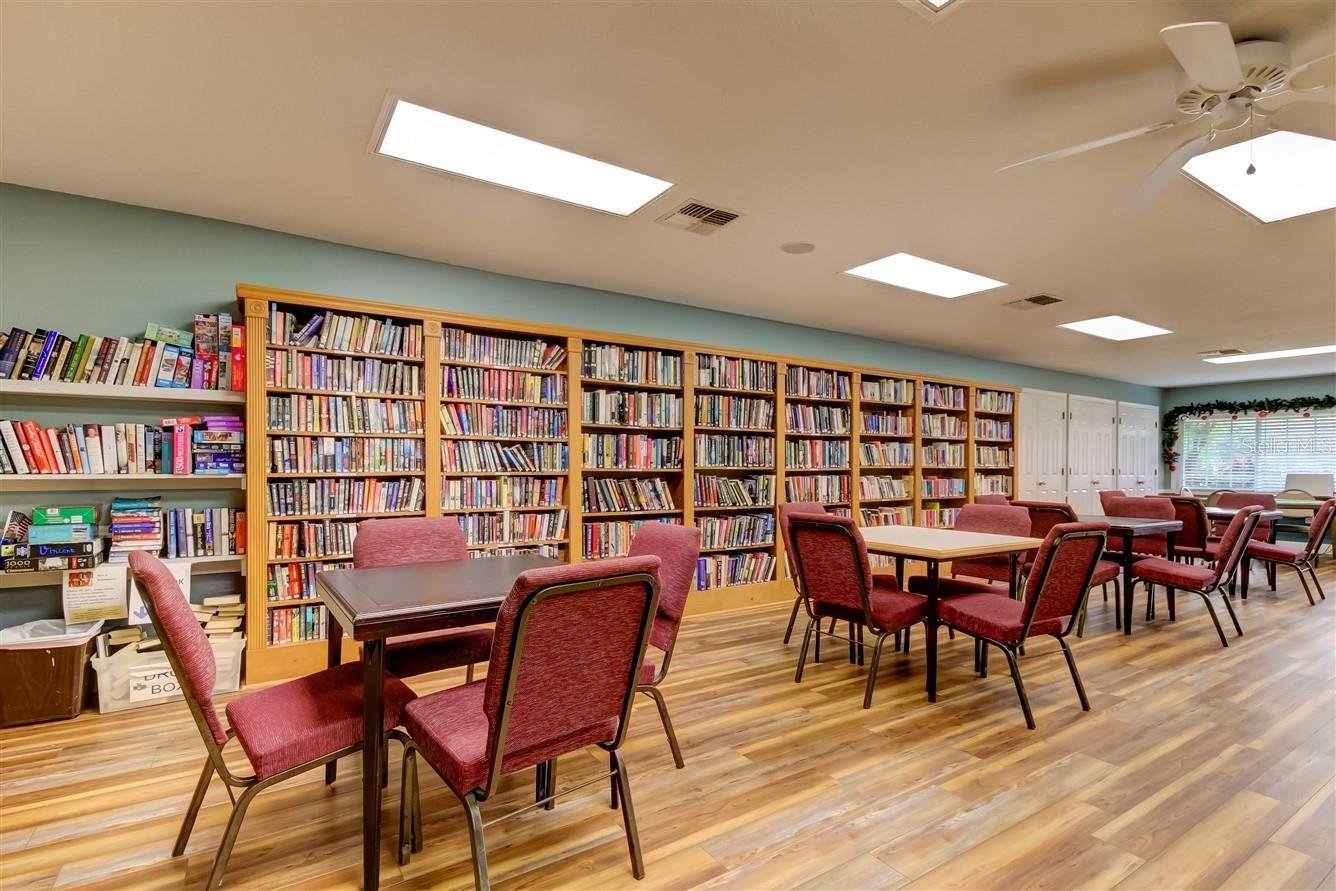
1280 388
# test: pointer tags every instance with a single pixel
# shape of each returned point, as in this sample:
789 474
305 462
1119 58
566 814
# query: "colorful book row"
631 365
730 491
293 624
943 396
721 450
503 422
345 496
735 411
942 487
491 457
619 494
489 349
886 454
502 385
816 454
944 454
816 383
296 581
737 530
755 375
943 425
352 334
727 570
511 493
342 414
632 451
831 420
326 539
350 374
887 390
994 400
829 488
636 409
332 454
887 424
611 538
513 528
876 487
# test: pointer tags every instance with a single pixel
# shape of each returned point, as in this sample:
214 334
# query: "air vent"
1032 302
699 218
1228 351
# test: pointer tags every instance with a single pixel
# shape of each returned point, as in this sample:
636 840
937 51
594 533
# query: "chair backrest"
183 640
678 549
1191 512
1316 483
1002 519
788 510
1146 507
569 644
1062 571
991 499
1235 541
1044 515
1264 500
396 541
833 569
1296 512
1213 499
1317 529
1105 495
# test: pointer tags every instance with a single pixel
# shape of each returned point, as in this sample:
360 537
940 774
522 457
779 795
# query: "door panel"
1091 447
1042 451
1138 448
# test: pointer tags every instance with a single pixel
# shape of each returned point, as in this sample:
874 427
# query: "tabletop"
1134 525
373 603
942 544
1227 513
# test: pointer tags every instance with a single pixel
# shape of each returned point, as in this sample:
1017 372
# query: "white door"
1138 448
1091 442
1042 448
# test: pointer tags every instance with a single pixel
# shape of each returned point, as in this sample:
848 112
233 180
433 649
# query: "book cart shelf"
561 441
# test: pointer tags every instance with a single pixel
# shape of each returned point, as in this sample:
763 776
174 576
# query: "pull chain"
1252 168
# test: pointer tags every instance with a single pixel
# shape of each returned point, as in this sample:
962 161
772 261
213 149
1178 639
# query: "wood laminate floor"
1199 767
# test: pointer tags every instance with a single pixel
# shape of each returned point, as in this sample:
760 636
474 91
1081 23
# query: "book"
168 335
11 351
167 366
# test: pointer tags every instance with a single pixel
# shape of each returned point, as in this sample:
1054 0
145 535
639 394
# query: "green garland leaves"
1262 407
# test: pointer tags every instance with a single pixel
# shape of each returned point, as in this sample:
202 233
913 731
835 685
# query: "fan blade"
1309 118
1285 98
1314 75
1094 144
1206 52
1161 175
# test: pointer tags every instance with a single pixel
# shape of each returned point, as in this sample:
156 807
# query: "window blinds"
1255 454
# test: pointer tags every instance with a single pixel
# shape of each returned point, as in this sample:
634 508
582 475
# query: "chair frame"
546 773
1223 582
251 785
1307 562
653 692
855 640
1012 650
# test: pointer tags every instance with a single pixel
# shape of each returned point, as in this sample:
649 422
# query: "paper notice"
97 593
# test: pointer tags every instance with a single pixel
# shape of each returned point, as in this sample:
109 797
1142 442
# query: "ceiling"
863 128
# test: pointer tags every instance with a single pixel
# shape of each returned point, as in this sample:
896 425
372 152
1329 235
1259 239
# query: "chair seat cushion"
1105 572
451 729
954 587
997 569
1174 575
893 608
996 618
308 718
414 654
1275 553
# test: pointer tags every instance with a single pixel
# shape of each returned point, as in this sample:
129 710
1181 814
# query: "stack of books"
221 615
210 357
53 538
136 525
219 448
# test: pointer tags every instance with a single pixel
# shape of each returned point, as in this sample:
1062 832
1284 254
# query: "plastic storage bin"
128 679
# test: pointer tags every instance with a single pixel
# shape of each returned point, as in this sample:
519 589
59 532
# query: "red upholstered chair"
1190 542
1054 594
283 730
1146 507
787 510
678 549
1203 580
992 499
1044 515
1105 495
1263 500
1301 559
570 643
401 540
836 582
1000 519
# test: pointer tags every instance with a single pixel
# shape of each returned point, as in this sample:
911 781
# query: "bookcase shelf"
12 389
722 394
198 566
35 482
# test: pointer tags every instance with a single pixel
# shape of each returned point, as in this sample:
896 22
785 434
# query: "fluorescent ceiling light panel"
1274 354
1296 175
917 274
936 4
1116 328
444 142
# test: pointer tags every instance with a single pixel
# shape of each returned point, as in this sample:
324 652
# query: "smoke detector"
702 219
1032 302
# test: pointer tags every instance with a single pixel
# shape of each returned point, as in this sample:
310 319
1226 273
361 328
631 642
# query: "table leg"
1013 578
1245 567
900 570
1170 542
334 654
373 686
930 626
1127 583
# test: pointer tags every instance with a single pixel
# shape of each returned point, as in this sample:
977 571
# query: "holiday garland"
1263 407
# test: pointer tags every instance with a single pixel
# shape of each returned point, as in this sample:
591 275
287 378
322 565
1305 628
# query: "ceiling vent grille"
1032 302
701 219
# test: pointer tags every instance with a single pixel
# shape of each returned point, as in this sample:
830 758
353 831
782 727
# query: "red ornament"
1205 417
1308 414
1233 417
1173 467
1263 414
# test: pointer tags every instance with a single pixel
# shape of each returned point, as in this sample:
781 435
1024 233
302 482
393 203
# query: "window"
1254 454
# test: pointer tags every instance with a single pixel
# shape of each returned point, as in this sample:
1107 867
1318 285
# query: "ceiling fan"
1230 87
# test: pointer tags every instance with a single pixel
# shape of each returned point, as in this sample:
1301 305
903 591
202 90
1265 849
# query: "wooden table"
935 547
370 605
1128 528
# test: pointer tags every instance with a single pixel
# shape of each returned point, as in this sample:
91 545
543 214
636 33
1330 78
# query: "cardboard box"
64 514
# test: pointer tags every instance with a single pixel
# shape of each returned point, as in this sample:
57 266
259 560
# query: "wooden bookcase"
617 385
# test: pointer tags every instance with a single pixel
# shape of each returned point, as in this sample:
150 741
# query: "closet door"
1042 453
1091 444
1138 448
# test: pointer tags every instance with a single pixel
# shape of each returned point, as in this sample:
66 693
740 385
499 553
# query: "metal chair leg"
657 695
331 772
230 837
550 791
1020 686
793 617
1320 592
407 815
481 882
201 787
1085 607
629 815
540 781
1308 591
1076 675
1150 601
612 766
872 670
1210 608
1233 617
983 660
802 653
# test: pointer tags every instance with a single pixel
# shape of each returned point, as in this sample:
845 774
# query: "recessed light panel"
1273 354
1295 175
917 274
1116 328
454 145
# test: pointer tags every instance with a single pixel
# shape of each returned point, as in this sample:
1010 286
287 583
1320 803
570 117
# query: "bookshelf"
944 434
993 442
655 431
12 390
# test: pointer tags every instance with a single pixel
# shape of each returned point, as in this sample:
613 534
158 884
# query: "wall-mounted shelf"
11 389
35 482
198 566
